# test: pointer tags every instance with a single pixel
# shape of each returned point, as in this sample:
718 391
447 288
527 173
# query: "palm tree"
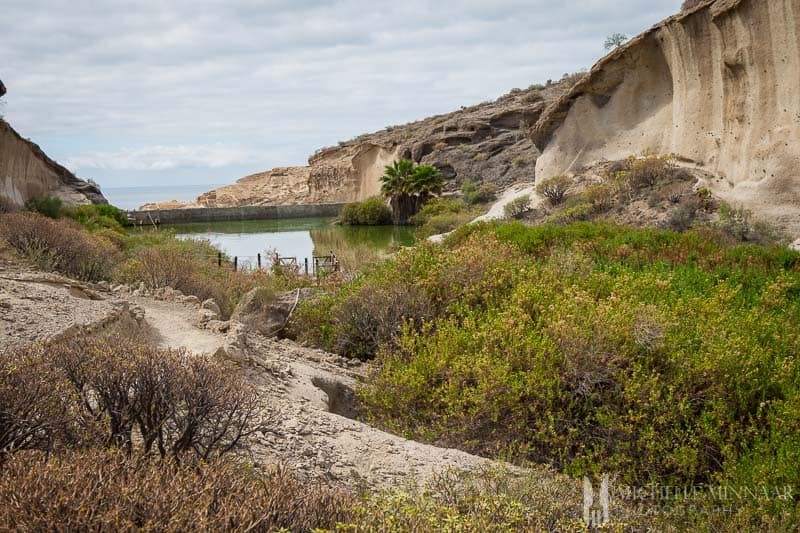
409 186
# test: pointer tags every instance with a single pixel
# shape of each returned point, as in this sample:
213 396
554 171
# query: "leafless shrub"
33 403
181 405
555 188
59 245
111 491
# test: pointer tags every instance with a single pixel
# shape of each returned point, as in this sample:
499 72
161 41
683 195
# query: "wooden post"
259 261
219 259
306 266
235 263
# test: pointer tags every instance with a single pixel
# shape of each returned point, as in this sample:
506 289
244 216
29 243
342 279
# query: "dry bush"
555 188
116 392
600 195
59 245
163 266
34 401
110 491
647 170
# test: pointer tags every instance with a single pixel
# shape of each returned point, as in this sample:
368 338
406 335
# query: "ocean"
129 198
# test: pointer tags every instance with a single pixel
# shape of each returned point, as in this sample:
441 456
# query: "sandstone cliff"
486 143
26 172
718 85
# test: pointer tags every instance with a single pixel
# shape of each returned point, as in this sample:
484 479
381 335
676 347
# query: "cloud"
282 76
165 158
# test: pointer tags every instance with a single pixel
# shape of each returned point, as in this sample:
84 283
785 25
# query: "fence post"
306 261
235 263
259 261
219 259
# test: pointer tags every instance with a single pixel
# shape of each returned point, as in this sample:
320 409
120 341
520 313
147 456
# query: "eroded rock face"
717 86
487 143
26 172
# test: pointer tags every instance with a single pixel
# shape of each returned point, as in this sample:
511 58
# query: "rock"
795 245
211 305
649 93
191 300
230 352
204 316
267 313
486 142
27 172
218 326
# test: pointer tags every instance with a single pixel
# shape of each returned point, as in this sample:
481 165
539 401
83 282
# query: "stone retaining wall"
229 214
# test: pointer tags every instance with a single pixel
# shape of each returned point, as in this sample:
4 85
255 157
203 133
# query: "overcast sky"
169 92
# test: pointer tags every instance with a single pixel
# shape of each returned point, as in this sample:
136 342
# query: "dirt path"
313 391
172 326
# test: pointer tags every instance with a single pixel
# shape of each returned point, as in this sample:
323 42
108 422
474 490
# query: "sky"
173 92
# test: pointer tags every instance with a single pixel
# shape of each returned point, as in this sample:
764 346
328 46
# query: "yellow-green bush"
370 212
661 356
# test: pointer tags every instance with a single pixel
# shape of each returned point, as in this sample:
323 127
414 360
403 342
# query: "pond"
301 238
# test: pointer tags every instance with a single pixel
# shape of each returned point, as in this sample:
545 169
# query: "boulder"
267 313
205 316
230 352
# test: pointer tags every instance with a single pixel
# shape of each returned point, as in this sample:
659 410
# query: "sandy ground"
171 326
304 386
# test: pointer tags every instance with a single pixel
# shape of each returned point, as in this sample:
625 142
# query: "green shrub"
59 245
740 224
592 348
520 162
98 217
555 188
600 195
518 207
485 500
49 206
442 215
474 194
568 215
370 212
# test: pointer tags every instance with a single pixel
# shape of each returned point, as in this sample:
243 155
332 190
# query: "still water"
301 238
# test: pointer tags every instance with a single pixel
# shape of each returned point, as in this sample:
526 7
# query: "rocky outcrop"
26 172
487 143
716 85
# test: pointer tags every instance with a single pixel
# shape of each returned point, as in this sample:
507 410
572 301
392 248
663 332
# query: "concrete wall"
228 214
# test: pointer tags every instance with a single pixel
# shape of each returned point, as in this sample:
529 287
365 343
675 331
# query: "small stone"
211 305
